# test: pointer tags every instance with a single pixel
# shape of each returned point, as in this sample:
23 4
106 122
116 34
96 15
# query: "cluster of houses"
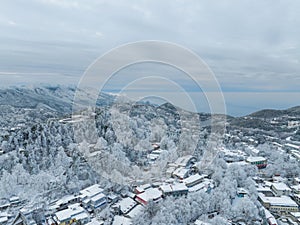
238 156
83 207
279 200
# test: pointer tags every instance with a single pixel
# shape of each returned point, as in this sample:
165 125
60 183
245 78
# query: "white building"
270 218
151 194
181 173
280 189
296 189
176 189
136 211
185 161
125 205
91 191
295 217
194 179
93 197
280 205
72 214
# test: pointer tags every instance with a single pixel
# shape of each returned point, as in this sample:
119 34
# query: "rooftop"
281 186
183 161
194 178
135 211
255 159
126 204
278 201
92 190
150 194
121 220
98 197
295 214
70 212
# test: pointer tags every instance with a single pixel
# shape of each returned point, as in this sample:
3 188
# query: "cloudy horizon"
251 46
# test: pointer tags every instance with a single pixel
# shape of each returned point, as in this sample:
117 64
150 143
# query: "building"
74 213
140 189
98 201
185 161
64 202
265 190
289 146
181 173
125 205
296 154
30 216
93 197
279 205
297 198
280 189
293 124
260 162
91 191
295 216
177 189
136 211
151 194
194 179
94 221
204 185
241 192
3 219
270 218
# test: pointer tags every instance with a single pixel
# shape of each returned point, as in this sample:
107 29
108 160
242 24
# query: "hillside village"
255 172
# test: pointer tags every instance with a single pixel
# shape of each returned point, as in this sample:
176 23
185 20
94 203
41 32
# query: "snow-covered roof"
81 216
94 222
194 178
180 172
3 219
92 191
200 186
167 188
278 201
255 159
292 146
179 187
263 189
295 214
126 204
98 197
281 186
152 156
199 222
65 199
135 211
70 212
142 188
121 220
150 194
184 160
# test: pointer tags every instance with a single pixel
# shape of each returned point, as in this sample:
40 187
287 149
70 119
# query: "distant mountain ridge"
60 98
270 113
57 98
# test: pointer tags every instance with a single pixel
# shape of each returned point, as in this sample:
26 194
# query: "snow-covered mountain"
56 98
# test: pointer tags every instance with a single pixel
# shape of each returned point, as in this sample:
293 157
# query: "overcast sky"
251 46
